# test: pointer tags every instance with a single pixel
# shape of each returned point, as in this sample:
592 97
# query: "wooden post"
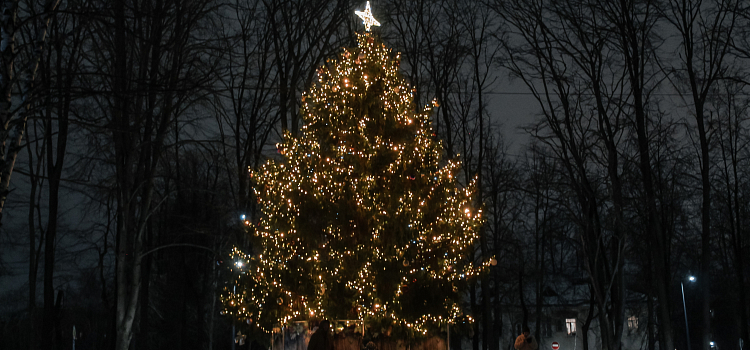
448 330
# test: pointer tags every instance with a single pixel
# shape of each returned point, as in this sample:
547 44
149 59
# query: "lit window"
571 324
632 323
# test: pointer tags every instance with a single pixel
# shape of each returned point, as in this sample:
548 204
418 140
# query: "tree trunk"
705 263
540 257
524 309
48 318
586 324
475 310
58 330
497 305
34 251
55 158
144 342
128 265
740 260
651 322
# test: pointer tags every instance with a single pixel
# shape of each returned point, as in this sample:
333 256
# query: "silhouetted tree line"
129 127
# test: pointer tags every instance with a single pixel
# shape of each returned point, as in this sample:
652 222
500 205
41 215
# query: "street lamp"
684 309
239 265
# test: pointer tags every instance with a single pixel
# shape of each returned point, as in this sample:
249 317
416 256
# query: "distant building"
565 311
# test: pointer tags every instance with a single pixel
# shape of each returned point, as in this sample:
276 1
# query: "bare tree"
705 31
633 22
303 34
563 52
504 206
415 30
479 24
59 76
730 140
433 50
36 181
49 115
246 102
17 93
539 193
155 69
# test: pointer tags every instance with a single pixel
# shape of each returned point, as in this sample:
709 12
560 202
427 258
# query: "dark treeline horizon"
129 128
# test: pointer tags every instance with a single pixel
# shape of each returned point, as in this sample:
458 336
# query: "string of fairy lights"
361 212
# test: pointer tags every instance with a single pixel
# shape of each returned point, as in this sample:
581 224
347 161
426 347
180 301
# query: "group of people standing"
323 340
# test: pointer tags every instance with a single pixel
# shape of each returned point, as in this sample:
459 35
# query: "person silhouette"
525 341
322 338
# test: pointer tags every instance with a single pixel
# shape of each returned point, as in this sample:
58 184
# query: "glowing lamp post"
239 265
691 278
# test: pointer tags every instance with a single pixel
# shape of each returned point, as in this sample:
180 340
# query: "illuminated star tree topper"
367 19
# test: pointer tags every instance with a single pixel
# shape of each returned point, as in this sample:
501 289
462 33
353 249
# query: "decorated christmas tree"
361 218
